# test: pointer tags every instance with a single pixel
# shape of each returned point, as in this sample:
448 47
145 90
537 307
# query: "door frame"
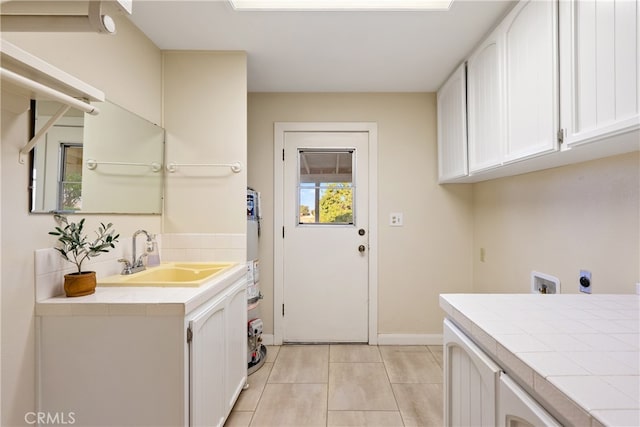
280 128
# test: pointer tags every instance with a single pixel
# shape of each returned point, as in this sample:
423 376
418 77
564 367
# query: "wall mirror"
109 163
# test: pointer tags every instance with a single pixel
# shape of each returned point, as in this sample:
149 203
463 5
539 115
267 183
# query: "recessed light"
340 5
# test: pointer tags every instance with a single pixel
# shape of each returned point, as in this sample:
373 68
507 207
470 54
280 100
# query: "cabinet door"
531 79
471 380
600 68
486 139
517 409
452 127
236 339
207 366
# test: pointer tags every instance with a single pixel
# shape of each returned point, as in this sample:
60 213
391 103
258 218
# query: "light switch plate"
395 219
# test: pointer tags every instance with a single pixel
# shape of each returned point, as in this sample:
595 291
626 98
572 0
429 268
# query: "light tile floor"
344 385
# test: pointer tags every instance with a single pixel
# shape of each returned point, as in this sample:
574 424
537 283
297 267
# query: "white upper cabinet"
553 74
512 88
484 104
452 127
599 63
531 79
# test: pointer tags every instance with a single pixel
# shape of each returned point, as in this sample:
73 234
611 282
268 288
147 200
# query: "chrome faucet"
136 263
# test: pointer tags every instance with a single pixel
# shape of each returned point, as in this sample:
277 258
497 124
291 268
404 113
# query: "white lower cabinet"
207 356
139 365
516 408
218 357
479 393
236 345
470 381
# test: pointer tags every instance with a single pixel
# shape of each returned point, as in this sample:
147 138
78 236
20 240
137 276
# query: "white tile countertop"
578 354
140 301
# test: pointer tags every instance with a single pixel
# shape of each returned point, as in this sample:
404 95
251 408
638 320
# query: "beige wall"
205 116
559 221
127 67
432 252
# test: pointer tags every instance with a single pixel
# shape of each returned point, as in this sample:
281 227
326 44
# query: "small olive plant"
74 246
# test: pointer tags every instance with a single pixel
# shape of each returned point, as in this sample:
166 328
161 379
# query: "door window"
326 187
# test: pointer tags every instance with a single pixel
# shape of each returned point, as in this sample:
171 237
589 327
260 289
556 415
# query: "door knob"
361 248
361 232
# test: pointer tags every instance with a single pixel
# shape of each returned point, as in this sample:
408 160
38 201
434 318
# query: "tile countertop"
579 354
140 301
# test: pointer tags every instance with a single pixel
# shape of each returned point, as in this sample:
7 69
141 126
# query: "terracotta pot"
80 284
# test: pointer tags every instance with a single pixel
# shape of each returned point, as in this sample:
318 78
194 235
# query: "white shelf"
31 67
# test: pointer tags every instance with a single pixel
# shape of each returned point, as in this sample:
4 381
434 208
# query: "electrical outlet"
585 281
395 219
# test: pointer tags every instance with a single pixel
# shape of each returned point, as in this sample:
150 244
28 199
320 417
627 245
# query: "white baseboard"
389 339
267 339
409 339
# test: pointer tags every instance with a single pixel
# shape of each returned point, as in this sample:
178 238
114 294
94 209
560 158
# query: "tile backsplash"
50 268
203 247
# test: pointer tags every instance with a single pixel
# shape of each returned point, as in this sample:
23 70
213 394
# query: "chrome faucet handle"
127 266
139 262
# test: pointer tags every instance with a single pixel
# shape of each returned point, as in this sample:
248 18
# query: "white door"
325 246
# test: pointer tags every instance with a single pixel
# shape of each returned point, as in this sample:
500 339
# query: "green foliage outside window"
72 192
336 204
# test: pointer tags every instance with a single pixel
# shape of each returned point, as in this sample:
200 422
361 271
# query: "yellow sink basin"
173 274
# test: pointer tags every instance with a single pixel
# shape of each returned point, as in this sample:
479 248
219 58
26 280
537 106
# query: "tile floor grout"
288 391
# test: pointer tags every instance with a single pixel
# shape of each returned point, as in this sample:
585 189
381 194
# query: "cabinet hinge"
283 231
283 154
282 310
560 136
189 334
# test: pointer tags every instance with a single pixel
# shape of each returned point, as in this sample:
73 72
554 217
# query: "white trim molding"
410 339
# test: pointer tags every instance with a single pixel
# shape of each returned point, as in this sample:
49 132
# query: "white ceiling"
327 51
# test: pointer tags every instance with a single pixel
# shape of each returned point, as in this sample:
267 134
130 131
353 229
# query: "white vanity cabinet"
452 127
144 356
218 356
600 69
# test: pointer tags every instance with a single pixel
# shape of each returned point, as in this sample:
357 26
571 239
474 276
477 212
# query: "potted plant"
75 247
